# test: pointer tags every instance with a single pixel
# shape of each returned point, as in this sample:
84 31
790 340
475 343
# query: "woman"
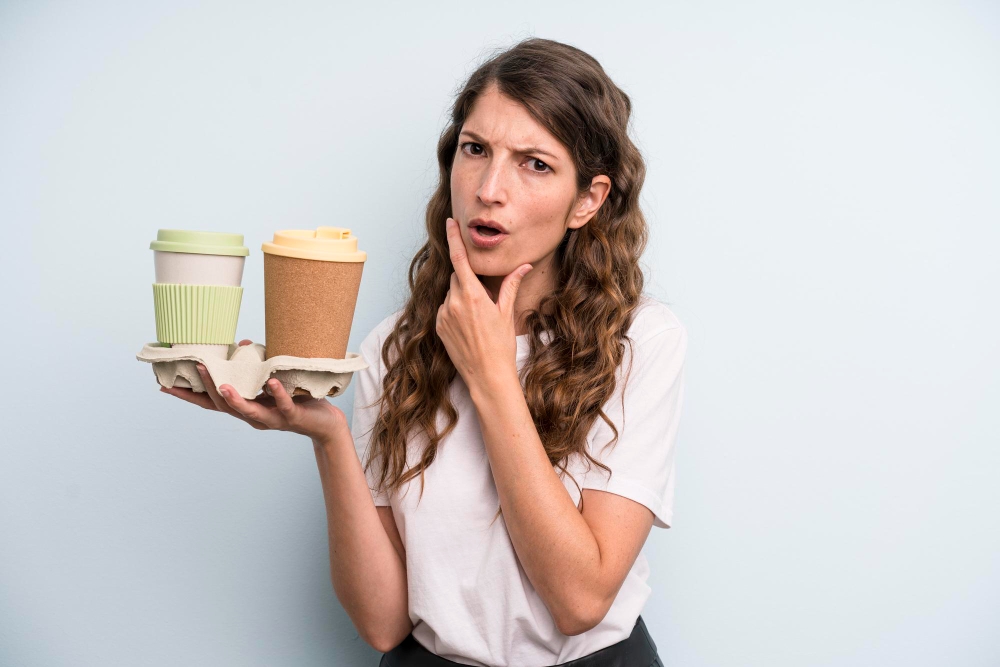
504 384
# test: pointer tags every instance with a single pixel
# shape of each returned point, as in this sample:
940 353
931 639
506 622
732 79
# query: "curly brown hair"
599 281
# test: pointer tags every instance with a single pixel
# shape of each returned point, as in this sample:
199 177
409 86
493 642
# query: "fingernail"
200 367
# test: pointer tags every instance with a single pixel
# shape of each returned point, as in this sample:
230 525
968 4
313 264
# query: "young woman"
527 382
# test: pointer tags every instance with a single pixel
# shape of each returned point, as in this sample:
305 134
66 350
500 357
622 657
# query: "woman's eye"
471 145
545 166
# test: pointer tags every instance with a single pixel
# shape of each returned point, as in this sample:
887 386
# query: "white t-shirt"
470 600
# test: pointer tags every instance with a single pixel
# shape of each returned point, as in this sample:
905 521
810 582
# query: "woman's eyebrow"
521 151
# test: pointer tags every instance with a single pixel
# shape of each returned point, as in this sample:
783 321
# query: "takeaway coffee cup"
198 292
311 282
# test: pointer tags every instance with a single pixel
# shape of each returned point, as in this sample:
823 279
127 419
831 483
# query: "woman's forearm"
368 574
552 540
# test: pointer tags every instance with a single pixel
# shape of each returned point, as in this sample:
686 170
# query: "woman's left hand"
478 334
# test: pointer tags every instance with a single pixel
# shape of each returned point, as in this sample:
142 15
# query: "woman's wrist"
334 439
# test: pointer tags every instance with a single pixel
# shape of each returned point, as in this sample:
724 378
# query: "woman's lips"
483 241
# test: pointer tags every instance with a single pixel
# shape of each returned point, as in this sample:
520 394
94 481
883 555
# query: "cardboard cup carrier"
311 283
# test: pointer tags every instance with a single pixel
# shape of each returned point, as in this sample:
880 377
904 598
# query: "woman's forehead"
500 120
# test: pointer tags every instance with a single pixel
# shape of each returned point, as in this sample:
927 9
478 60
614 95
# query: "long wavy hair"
599 281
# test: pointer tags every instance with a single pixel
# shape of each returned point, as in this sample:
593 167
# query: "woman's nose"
493 188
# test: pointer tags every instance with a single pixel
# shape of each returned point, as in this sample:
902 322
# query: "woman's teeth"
487 231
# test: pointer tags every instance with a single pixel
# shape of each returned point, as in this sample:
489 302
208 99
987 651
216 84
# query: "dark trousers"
638 650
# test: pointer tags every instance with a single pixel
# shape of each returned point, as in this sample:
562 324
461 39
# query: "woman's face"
510 169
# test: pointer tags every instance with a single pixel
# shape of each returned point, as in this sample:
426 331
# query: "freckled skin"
533 196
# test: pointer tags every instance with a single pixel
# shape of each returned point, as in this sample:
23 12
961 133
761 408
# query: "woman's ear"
590 201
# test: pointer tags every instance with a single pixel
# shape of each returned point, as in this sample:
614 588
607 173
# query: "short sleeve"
642 459
367 392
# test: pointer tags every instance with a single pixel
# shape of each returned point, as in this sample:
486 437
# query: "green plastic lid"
202 243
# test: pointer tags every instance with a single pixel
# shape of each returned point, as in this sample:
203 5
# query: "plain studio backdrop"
822 197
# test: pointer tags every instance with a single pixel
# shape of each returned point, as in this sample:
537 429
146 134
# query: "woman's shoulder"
380 330
383 328
652 317
371 346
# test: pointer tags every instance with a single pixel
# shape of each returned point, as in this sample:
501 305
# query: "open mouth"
486 237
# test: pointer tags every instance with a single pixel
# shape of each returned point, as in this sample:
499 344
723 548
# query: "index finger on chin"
459 253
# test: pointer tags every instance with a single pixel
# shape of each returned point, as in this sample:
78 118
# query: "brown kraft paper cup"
309 303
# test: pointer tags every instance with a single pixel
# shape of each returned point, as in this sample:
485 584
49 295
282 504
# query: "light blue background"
822 195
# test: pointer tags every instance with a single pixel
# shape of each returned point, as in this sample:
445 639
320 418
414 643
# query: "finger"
253 412
509 287
245 341
210 389
191 396
284 403
456 286
439 318
451 290
459 254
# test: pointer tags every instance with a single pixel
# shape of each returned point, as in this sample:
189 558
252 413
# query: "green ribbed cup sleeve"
196 314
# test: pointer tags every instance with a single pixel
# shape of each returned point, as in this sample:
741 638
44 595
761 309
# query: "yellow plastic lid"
327 244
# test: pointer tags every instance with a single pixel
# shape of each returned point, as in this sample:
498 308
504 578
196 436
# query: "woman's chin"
486 268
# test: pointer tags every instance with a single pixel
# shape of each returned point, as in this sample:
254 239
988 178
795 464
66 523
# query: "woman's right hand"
316 418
